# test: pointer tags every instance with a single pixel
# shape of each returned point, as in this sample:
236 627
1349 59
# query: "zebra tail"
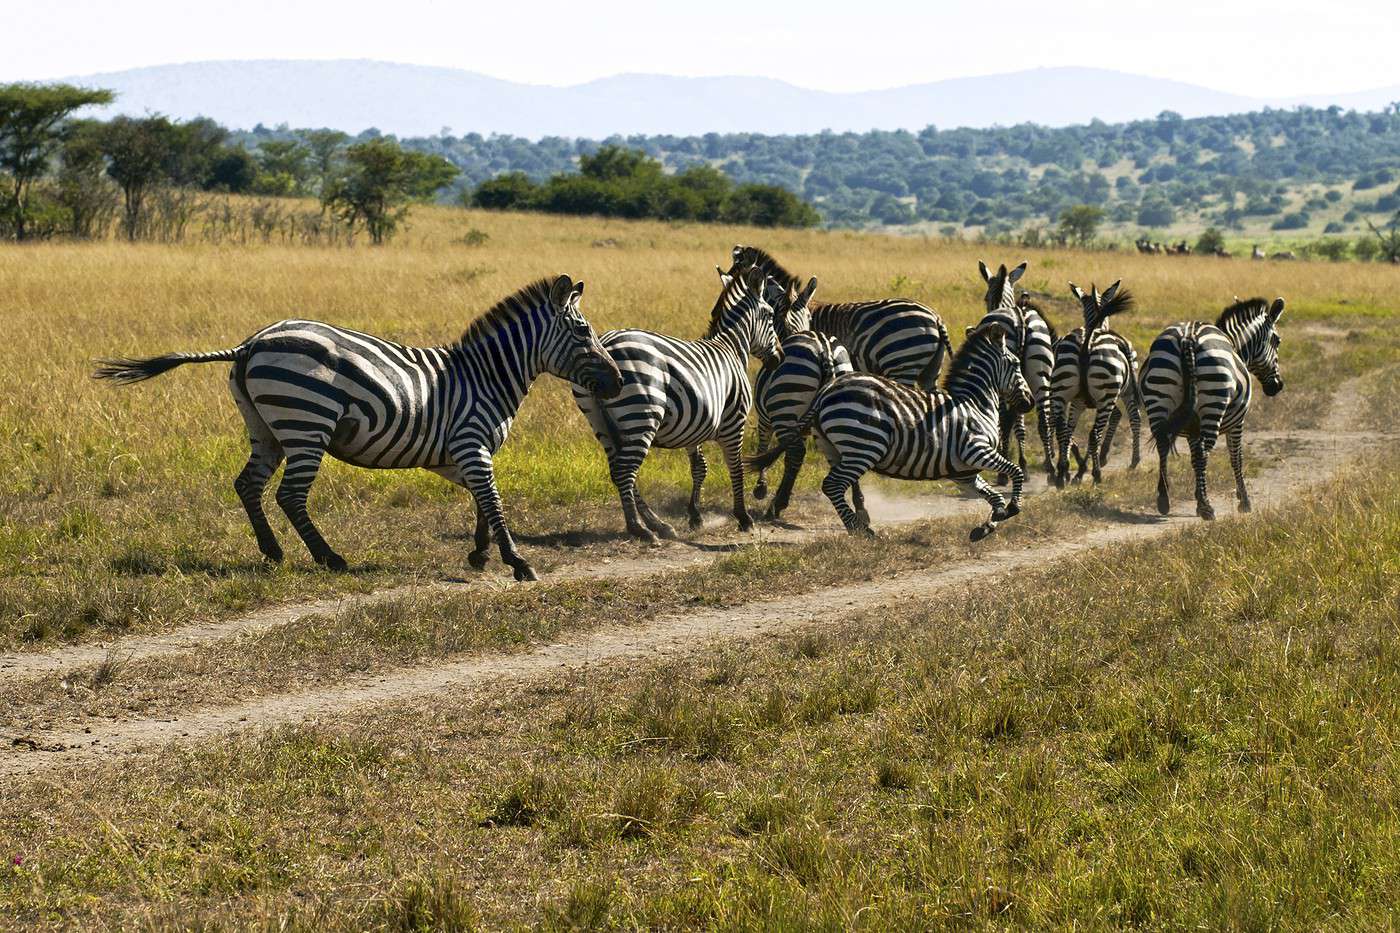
928 377
1166 434
784 439
125 370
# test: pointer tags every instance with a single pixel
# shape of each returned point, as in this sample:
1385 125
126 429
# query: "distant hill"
415 100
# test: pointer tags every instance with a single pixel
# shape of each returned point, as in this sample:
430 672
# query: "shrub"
1295 220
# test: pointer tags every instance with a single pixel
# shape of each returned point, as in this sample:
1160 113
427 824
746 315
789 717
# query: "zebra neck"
508 362
833 321
733 340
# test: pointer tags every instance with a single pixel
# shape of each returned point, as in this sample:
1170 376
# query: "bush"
1296 220
1155 212
1366 248
1211 241
511 191
1332 248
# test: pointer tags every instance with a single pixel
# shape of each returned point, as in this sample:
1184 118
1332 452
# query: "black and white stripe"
784 393
306 389
1196 382
1032 339
1094 372
893 337
866 422
680 393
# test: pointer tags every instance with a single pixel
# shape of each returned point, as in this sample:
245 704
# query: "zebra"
893 337
680 393
1032 339
866 422
782 395
1094 368
1196 382
306 389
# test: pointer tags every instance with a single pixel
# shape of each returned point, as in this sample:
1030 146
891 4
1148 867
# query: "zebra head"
797 313
986 367
1001 285
1252 326
1099 307
775 291
569 347
744 315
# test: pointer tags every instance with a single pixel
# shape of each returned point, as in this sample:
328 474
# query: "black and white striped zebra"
782 395
1195 381
866 422
893 337
306 389
1032 339
1094 372
680 393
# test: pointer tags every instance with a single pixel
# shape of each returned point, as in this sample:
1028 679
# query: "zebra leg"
1198 466
1135 423
264 458
1020 426
765 437
303 462
733 447
623 466
1104 419
792 465
1009 423
479 474
653 521
1164 502
843 475
1234 440
858 500
1115 415
698 469
1066 416
1042 424
481 540
983 458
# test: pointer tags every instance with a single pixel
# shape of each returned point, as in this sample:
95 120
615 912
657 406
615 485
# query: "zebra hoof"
760 491
745 522
864 531
477 560
644 535
332 561
1164 504
982 531
863 516
1098 478
272 555
1013 509
694 521
524 573
1244 506
772 513
667 532
1204 510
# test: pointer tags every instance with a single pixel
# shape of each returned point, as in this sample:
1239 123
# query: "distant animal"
1257 253
782 395
894 337
865 422
1221 252
1032 339
306 389
1195 381
1095 369
1285 256
681 393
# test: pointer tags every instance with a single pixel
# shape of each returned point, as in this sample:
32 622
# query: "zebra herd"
862 376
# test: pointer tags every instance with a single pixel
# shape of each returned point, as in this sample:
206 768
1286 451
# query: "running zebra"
1094 372
782 395
893 337
306 389
1032 339
681 393
866 422
1196 382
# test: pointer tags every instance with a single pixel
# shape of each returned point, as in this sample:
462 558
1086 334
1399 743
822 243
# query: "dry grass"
1201 733
119 508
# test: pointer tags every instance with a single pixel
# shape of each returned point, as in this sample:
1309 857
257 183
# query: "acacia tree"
1389 237
31 130
379 182
138 152
1080 223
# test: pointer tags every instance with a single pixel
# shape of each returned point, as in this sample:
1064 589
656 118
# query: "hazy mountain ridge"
416 100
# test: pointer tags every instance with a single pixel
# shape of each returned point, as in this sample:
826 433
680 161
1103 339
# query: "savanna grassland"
119 508
1192 727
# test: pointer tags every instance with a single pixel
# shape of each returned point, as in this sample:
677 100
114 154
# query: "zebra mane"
1027 306
962 359
753 256
729 296
1242 312
508 309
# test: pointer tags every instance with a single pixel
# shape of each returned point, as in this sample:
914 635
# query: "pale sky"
1263 48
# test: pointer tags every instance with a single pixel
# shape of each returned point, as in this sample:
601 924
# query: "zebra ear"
724 277
578 290
969 331
1017 272
986 273
738 252
560 291
1276 311
1112 290
1077 291
806 294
